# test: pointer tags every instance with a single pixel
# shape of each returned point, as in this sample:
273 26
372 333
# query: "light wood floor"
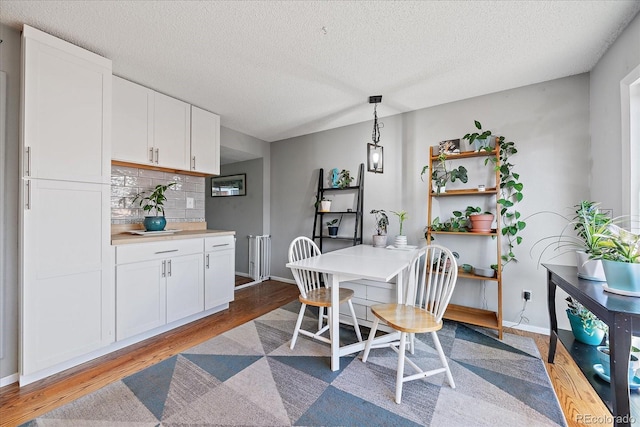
18 405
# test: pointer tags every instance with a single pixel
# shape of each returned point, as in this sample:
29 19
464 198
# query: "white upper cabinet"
150 128
205 141
132 138
171 132
67 91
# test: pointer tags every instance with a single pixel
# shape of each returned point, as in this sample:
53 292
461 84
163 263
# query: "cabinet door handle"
220 245
157 156
169 267
164 268
151 154
194 162
27 184
166 252
28 166
207 263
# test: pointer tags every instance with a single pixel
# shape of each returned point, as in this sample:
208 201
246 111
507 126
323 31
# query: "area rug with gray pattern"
248 376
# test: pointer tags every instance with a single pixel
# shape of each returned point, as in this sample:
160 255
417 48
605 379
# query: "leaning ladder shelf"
318 218
471 315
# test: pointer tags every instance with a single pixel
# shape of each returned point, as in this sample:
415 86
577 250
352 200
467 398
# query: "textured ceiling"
278 69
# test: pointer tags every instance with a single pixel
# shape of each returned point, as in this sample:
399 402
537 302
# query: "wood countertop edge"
127 238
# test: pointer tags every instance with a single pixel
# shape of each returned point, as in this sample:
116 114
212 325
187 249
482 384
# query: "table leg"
551 305
399 287
334 330
619 351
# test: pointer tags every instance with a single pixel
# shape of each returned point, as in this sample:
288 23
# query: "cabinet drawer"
219 243
157 250
381 294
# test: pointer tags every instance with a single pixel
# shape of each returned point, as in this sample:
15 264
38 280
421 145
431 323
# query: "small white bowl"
484 272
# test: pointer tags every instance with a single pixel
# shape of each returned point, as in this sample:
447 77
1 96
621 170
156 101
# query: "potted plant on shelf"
478 221
586 327
324 205
154 201
344 179
401 239
480 141
333 226
442 173
382 222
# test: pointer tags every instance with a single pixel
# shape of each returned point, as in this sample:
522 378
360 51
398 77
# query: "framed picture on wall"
229 185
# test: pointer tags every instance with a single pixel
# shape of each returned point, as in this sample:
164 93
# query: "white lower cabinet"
185 286
219 276
157 283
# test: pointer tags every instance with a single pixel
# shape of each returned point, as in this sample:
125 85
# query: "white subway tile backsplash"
126 182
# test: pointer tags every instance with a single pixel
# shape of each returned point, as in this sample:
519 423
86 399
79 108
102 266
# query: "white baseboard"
528 328
242 274
282 279
13 378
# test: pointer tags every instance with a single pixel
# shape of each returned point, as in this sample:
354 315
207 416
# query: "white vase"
590 269
325 206
400 242
379 240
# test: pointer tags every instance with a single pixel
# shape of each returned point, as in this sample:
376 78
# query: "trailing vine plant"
510 190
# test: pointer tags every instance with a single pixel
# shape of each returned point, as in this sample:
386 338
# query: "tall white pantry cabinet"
67 306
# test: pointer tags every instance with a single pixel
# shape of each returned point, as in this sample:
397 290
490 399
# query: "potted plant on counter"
382 222
154 201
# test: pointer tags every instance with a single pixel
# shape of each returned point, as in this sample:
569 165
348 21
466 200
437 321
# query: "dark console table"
620 313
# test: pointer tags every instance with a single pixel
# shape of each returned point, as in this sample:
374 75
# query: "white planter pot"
437 189
590 269
400 242
325 206
379 240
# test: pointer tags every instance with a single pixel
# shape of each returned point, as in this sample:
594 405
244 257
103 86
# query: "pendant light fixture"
375 161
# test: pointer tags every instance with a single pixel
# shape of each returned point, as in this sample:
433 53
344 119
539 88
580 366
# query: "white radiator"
260 257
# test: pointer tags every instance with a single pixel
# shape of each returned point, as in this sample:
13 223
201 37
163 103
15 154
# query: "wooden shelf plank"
465 192
469 154
466 233
472 316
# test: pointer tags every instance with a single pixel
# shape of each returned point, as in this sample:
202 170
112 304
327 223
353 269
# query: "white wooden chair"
432 278
313 293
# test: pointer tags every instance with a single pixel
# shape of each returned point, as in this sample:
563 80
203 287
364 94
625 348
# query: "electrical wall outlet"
526 295
190 203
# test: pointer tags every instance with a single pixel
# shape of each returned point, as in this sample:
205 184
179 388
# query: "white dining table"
356 262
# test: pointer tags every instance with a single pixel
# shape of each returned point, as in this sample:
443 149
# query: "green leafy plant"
588 223
154 200
510 191
382 221
589 320
471 137
618 244
334 222
442 172
344 179
402 216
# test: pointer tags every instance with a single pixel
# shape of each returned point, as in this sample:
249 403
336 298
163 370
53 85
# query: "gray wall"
548 121
610 178
240 213
10 64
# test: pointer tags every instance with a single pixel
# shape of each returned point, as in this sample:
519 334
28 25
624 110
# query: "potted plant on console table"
154 202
